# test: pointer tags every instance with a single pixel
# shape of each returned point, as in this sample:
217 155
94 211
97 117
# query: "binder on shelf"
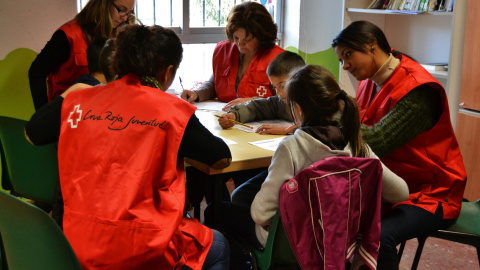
435 66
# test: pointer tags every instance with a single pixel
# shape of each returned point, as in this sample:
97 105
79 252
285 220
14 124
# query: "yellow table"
245 156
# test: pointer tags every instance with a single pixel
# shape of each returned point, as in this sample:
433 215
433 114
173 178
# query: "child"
273 107
315 98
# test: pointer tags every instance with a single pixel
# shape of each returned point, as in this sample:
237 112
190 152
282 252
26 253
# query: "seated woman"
121 150
239 63
315 99
273 107
405 119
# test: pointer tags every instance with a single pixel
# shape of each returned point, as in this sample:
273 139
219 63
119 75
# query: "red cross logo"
71 118
261 91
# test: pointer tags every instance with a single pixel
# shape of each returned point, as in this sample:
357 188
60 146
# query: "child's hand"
223 121
273 129
235 102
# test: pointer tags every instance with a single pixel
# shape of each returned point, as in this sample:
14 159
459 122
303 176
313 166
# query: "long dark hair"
146 51
256 20
360 35
95 21
317 92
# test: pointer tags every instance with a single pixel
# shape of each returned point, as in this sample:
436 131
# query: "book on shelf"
449 5
376 4
385 4
435 66
423 5
395 4
441 6
433 5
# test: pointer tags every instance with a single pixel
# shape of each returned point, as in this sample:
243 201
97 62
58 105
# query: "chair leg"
400 251
418 253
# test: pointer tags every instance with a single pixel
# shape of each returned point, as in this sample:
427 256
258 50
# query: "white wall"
311 25
31 23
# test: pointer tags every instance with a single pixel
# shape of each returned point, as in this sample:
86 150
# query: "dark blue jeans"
218 257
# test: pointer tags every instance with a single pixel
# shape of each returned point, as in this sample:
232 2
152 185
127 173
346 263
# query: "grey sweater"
262 109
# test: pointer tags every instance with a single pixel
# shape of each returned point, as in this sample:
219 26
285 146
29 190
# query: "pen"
181 84
235 122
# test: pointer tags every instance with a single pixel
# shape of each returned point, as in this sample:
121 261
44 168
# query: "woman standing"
406 121
64 57
240 63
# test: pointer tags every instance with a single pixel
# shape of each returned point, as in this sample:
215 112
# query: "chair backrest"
31 239
32 170
5 177
327 206
469 219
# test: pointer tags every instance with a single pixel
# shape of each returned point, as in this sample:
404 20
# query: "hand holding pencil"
227 120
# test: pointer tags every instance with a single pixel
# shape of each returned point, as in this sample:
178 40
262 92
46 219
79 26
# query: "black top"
55 53
44 128
87 79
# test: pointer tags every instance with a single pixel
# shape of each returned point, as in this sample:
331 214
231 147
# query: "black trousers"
403 223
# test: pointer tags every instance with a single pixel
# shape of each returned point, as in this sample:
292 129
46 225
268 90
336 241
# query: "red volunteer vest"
431 163
76 65
255 82
123 192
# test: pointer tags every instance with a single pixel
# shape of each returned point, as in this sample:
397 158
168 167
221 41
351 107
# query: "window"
195 21
200 24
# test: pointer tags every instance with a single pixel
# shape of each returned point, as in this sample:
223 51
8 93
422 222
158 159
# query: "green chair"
6 184
277 253
466 230
31 239
32 170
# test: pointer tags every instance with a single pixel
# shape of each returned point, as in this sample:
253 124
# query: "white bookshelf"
397 12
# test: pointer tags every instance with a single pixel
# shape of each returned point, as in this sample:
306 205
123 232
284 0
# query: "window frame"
199 35
196 35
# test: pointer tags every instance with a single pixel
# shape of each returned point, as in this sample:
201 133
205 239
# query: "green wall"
327 59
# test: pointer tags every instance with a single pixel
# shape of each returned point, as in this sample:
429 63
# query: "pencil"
235 122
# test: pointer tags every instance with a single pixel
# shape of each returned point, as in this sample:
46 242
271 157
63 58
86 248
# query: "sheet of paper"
227 141
270 144
210 106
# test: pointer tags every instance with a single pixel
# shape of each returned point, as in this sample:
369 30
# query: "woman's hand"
235 102
223 121
273 129
189 95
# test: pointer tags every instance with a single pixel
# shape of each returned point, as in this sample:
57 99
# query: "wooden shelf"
439 74
398 12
